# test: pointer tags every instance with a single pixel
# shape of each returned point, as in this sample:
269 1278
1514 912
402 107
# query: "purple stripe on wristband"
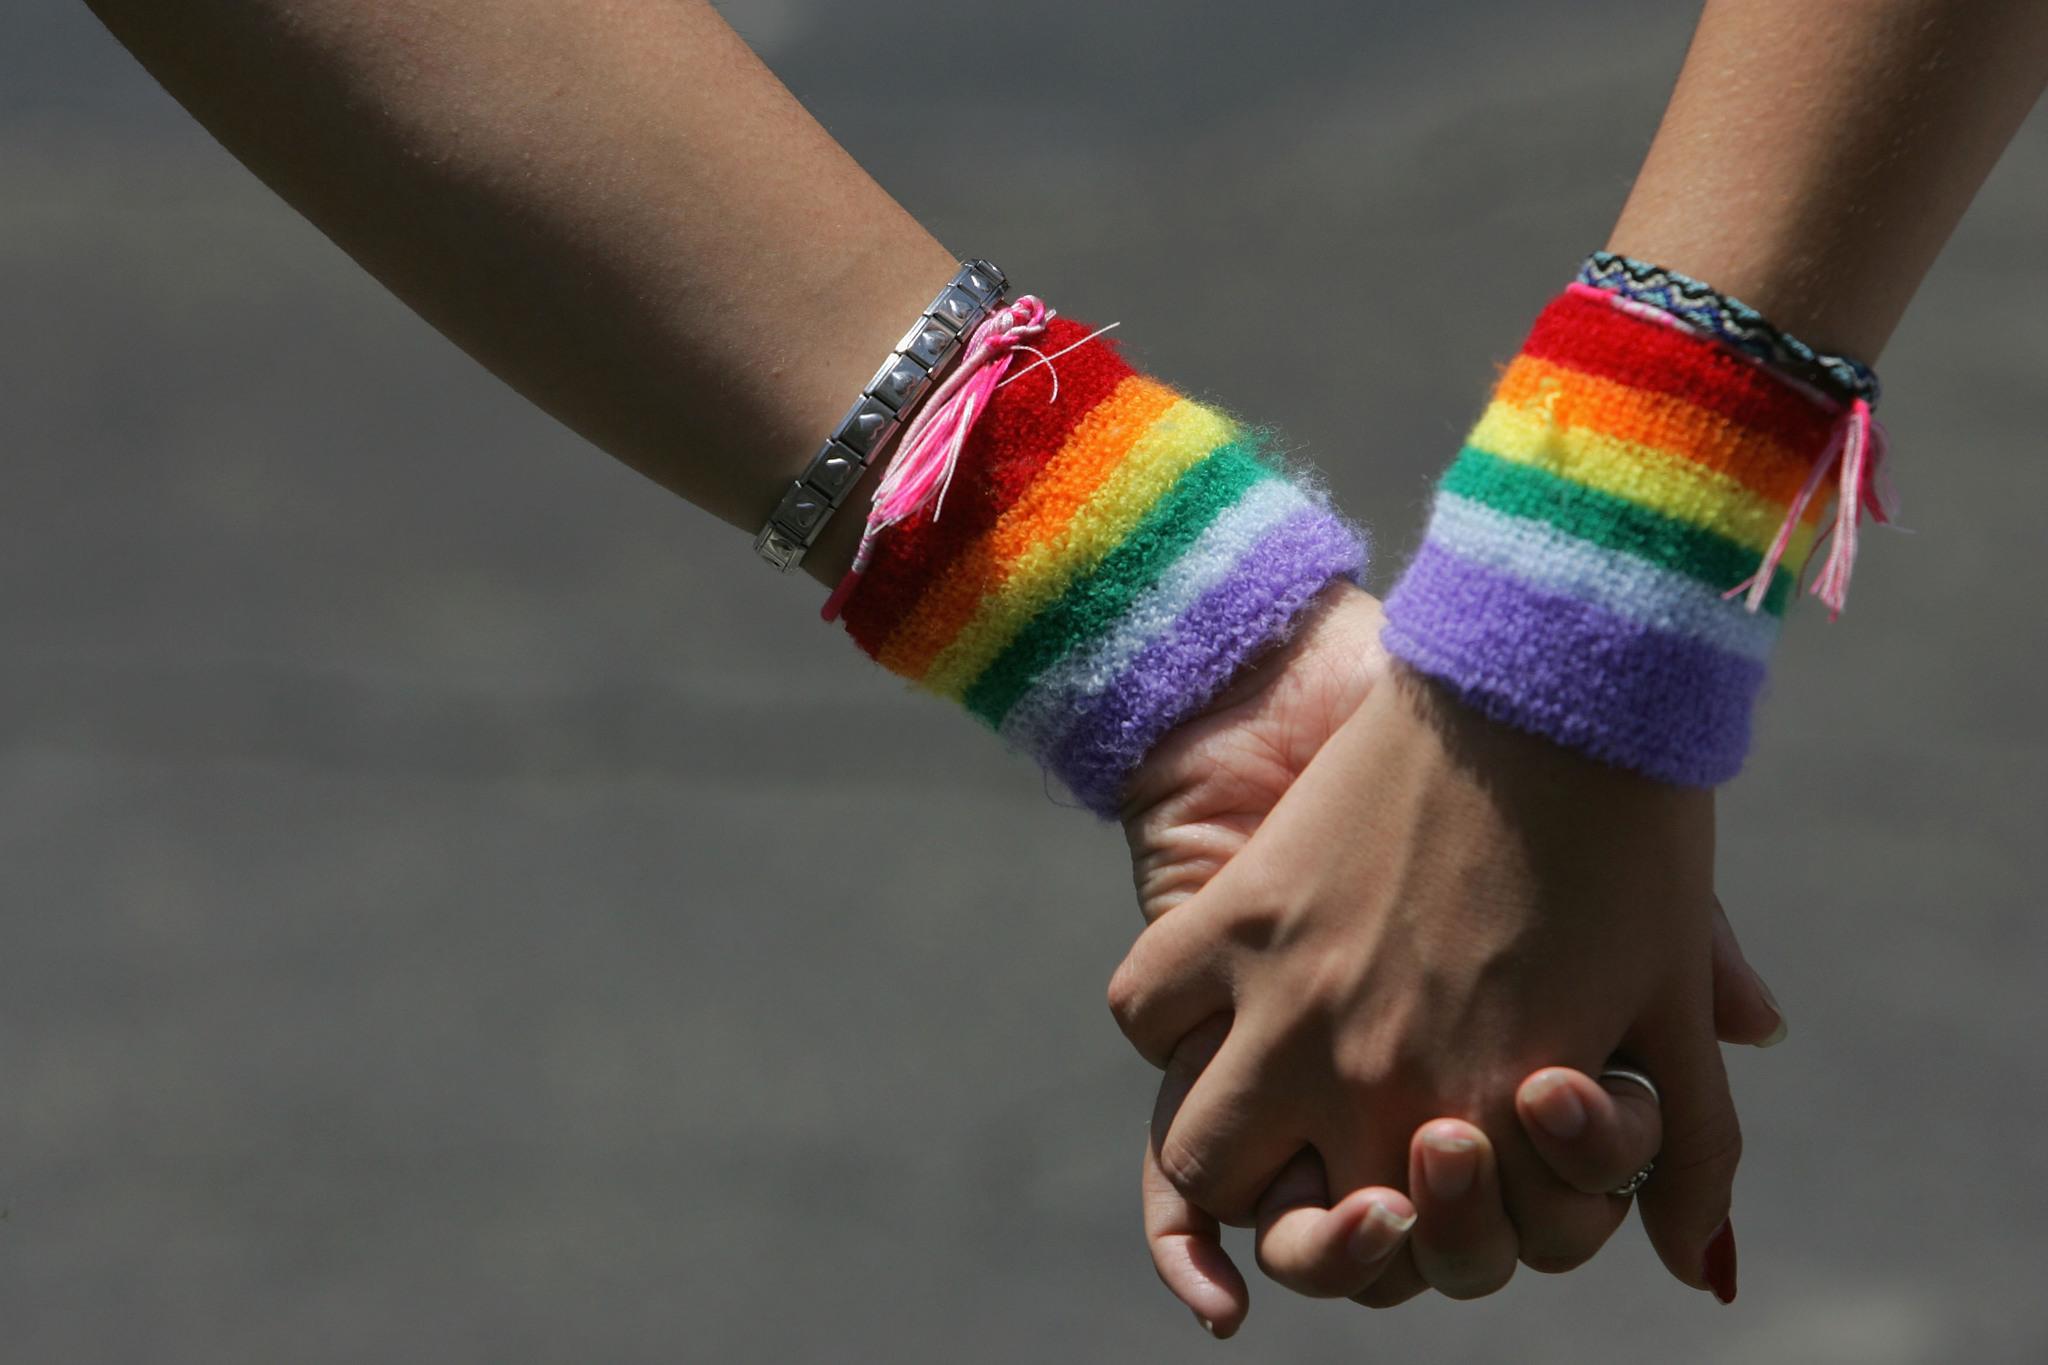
1178 673
1663 704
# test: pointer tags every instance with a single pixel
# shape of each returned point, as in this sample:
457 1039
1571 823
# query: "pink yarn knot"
922 467
1856 449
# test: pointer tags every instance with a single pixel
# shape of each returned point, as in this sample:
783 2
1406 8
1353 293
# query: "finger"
1594 1135
1375 1157
1745 1011
1305 1245
1464 1245
1183 1068
1187 1251
1396 1284
1560 1225
1170 981
1220 1134
1685 1204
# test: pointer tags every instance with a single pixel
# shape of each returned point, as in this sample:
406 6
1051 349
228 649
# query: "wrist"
1110 556
1338 633
802 447
1608 559
1529 772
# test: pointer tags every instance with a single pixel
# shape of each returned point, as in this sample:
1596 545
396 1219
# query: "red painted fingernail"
1720 1264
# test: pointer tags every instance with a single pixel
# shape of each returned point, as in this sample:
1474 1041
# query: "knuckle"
1255 924
1134 1003
1126 995
1363 1061
1712 1144
1187 1171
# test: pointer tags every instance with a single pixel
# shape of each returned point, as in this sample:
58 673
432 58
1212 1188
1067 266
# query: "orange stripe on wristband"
1063 486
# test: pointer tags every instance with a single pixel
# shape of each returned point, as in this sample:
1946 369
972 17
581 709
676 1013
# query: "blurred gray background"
419 946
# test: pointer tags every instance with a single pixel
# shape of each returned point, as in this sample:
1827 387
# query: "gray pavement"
418 945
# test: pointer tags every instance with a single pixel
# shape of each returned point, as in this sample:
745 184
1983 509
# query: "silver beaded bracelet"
933 343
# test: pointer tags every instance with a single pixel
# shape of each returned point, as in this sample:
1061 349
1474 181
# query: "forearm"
616 208
1612 552
1815 156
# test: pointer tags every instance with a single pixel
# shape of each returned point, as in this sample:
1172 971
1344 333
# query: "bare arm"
618 210
613 206
1815 156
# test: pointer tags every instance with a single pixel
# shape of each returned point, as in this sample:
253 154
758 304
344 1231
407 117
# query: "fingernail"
1719 1270
1778 1033
1379 1236
1555 1107
1207 1326
1449 1161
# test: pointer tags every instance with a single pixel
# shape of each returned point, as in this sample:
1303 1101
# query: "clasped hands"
1390 947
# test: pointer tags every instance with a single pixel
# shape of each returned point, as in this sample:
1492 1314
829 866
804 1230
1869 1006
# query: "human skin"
1815 158
581 197
532 179
1812 161
535 180
1192 806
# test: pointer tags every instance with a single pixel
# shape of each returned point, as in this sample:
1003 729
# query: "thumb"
1745 1011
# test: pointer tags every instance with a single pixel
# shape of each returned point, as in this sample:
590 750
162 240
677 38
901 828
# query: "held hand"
1323 1251
1452 1222
1435 909
1200 797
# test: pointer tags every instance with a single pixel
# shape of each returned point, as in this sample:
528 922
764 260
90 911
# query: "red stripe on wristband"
1587 336
1022 429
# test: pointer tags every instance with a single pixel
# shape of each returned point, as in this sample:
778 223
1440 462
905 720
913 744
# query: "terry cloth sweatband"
1605 564
1106 557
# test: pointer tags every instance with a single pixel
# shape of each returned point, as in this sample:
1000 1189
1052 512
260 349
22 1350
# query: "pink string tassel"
922 467
1857 449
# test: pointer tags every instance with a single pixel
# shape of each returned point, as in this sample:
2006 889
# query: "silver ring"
1629 1073
1636 1181
1634 1077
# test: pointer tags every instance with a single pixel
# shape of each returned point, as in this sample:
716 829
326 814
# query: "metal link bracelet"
862 437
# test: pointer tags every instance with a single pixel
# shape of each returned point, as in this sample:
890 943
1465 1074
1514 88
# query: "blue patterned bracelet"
1730 320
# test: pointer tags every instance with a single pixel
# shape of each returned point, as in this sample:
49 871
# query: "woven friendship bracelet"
1729 320
1632 478
933 343
1108 555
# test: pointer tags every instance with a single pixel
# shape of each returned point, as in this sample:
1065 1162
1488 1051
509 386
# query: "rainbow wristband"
1630 474
1107 557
